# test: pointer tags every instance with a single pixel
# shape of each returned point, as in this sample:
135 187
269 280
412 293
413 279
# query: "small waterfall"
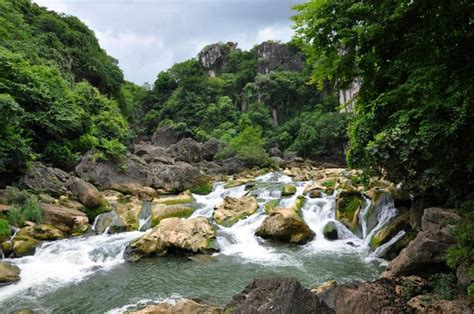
60 262
384 215
215 197
381 249
363 215
144 219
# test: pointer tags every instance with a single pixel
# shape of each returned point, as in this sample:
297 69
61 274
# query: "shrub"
444 285
25 207
4 230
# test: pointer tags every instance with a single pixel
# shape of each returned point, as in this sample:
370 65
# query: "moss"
4 230
233 183
299 203
185 197
229 222
288 190
203 189
349 205
271 205
330 231
182 212
92 213
329 184
24 245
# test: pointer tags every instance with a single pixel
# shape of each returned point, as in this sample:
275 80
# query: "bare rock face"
428 304
214 57
180 307
174 236
164 137
8 273
187 150
425 252
65 219
285 225
86 193
276 56
45 179
233 209
276 295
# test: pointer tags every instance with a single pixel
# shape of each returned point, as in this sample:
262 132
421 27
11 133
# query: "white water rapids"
64 262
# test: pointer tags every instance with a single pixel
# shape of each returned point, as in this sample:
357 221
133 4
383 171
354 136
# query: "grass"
203 189
329 183
4 230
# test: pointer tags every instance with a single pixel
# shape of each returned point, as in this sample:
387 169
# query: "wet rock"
348 206
162 211
164 136
24 245
8 273
42 232
66 219
233 209
174 236
400 223
330 231
41 178
285 225
183 306
288 190
276 295
182 198
315 194
86 193
109 222
128 210
272 204
426 252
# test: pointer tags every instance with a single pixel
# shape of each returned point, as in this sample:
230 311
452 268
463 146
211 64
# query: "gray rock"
8 273
214 57
86 193
187 150
276 56
41 178
276 295
164 136
209 149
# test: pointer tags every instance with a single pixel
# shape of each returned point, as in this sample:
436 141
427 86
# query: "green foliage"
414 119
25 206
444 285
4 230
248 146
203 189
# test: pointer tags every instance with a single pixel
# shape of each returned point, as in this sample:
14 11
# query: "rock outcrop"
41 178
8 273
214 57
233 209
164 137
86 193
183 306
426 252
276 295
276 56
285 225
174 236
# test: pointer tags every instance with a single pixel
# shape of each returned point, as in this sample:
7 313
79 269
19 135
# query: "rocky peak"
274 55
214 57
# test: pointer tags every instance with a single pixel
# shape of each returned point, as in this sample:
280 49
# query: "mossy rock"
288 190
234 209
348 206
270 205
92 213
182 198
330 231
299 203
5 231
24 245
386 233
161 211
395 249
234 183
315 194
202 189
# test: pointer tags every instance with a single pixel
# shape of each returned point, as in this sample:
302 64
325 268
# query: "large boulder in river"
66 219
348 207
183 306
8 273
28 238
426 252
23 245
276 295
159 212
41 178
330 231
86 193
285 225
233 209
128 209
174 236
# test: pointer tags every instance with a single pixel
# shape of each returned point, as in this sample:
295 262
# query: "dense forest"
412 122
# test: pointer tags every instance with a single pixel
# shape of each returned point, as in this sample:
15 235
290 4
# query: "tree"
414 119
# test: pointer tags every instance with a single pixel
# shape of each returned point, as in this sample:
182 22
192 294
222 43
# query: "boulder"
209 149
161 211
381 296
285 225
330 231
426 252
145 193
109 222
187 150
86 193
276 295
387 232
8 273
174 236
41 178
288 190
128 210
23 245
174 178
65 219
164 136
271 204
42 232
348 206
275 152
182 306
234 209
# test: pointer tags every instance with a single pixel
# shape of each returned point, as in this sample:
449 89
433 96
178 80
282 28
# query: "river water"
88 274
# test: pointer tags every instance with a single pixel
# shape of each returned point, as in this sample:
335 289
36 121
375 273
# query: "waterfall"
144 219
381 249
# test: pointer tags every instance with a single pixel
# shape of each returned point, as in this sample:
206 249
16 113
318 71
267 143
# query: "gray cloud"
149 36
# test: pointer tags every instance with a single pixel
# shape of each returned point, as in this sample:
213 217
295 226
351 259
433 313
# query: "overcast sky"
148 36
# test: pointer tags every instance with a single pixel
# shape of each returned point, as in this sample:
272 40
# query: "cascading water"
58 265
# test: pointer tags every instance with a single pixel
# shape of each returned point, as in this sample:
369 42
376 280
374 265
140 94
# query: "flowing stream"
88 274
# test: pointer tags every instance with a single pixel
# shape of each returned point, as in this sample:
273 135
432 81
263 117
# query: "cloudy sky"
148 36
